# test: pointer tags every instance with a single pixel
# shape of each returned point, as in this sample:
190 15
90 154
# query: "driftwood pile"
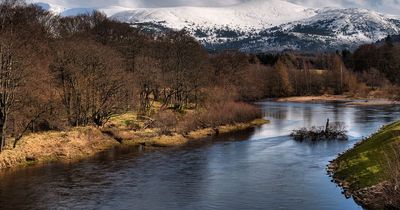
334 131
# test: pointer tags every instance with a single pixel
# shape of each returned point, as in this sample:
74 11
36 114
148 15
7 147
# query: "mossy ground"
365 165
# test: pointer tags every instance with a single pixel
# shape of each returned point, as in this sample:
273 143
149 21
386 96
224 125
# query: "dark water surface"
262 169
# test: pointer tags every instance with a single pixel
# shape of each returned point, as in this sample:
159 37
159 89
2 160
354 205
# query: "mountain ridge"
263 25
255 14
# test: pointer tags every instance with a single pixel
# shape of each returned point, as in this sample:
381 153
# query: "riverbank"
314 99
84 142
339 98
365 172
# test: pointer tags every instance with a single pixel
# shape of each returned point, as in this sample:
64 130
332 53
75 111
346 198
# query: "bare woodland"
60 72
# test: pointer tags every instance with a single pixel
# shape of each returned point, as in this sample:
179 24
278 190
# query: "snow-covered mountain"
270 25
329 29
254 14
65 11
56 9
261 25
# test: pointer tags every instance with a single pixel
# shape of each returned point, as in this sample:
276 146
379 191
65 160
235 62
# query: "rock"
30 158
347 195
216 131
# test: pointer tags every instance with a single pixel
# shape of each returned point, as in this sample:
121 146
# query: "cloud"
139 3
386 6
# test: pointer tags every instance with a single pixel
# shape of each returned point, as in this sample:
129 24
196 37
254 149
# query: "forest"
62 72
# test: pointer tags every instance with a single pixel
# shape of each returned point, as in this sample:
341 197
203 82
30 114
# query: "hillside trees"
229 67
184 63
239 74
389 62
12 75
365 57
336 75
147 78
283 87
307 81
60 72
22 32
90 80
253 83
383 58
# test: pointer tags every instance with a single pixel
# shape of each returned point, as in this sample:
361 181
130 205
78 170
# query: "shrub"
219 114
218 108
331 132
230 113
166 122
132 125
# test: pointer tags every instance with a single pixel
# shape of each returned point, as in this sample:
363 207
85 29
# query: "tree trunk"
1 141
327 126
2 133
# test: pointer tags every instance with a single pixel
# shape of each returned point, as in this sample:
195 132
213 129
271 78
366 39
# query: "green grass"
364 165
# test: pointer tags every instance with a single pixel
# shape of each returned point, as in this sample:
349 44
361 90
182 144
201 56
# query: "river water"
261 168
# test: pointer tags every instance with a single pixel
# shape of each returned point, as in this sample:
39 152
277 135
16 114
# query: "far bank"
348 100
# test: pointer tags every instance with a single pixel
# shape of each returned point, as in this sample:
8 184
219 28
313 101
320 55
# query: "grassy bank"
76 144
80 143
365 170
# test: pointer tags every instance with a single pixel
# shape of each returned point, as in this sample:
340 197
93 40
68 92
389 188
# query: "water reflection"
258 169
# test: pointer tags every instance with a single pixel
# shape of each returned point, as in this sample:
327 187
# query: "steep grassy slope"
365 165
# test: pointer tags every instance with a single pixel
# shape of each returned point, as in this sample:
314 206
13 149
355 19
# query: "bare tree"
22 30
184 64
12 75
147 73
91 81
283 86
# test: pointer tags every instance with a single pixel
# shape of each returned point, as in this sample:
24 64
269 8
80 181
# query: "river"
261 168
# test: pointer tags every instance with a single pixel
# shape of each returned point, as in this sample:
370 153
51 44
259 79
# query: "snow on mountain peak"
255 14
64 11
259 25
56 9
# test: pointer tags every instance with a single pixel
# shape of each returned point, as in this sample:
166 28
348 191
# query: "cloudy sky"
385 6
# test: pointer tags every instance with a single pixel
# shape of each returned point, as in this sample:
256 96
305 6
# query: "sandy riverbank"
339 98
314 99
